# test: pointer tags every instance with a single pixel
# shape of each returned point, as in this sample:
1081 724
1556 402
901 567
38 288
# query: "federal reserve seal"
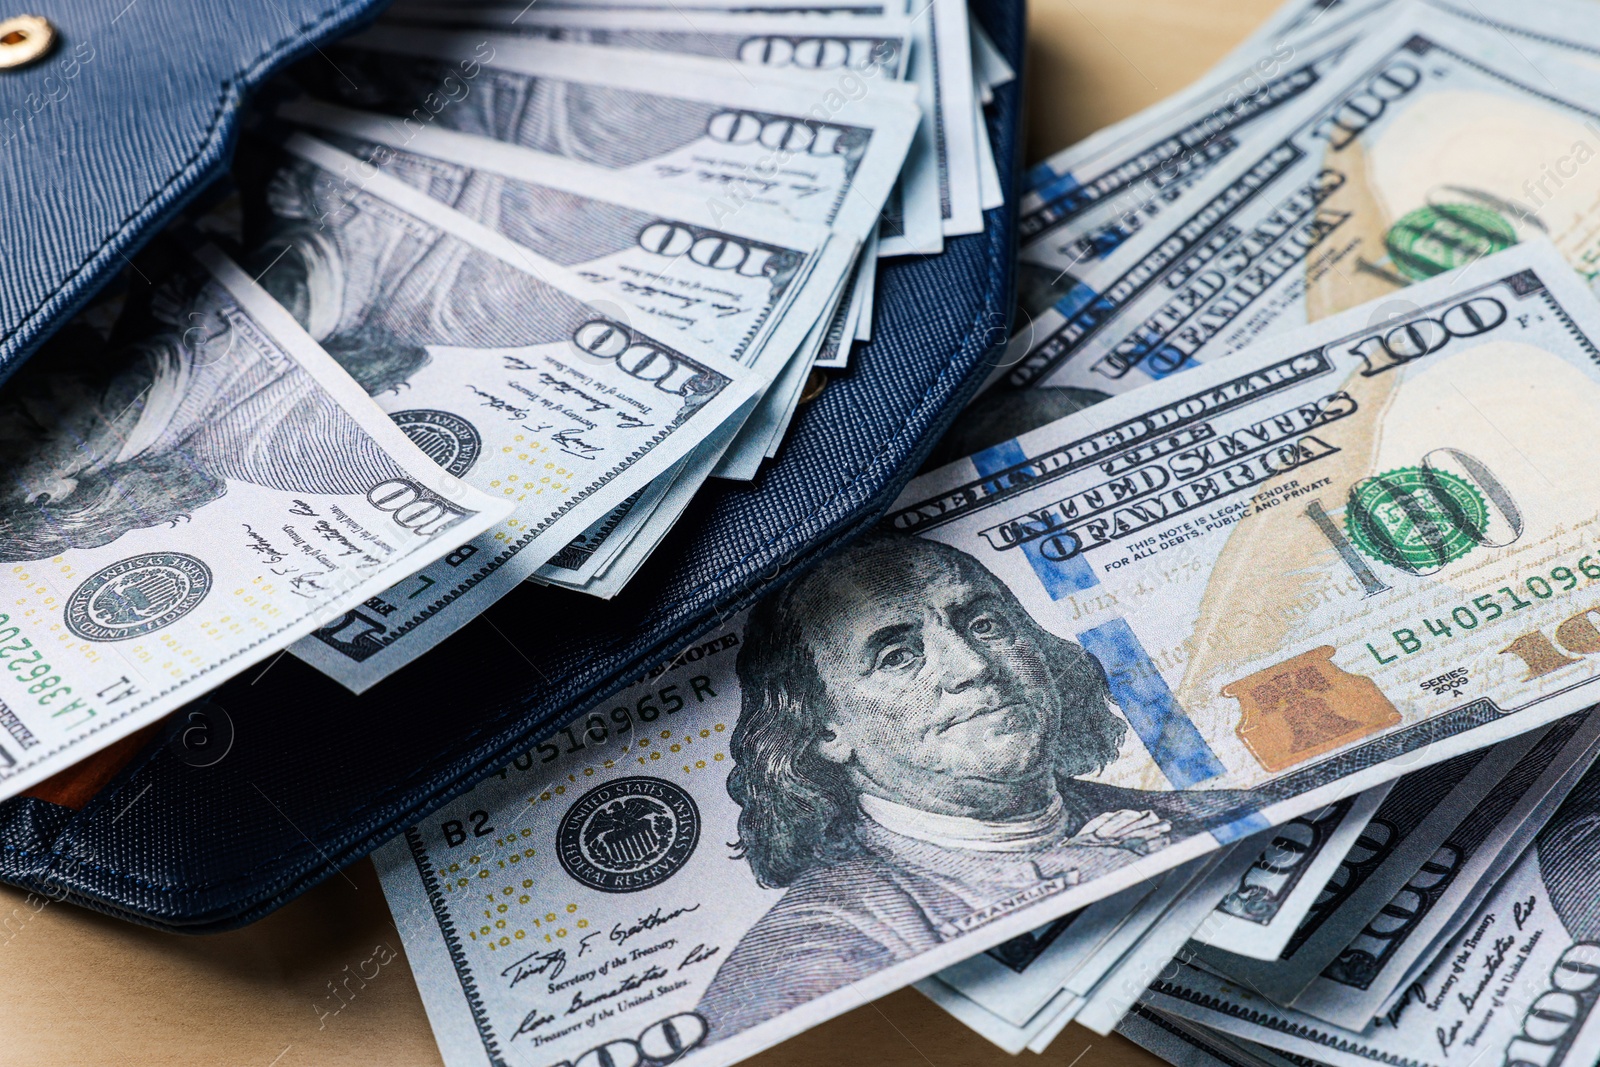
628 835
1415 518
449 440
138 596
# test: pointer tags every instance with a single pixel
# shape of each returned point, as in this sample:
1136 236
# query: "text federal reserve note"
186 506
1068 663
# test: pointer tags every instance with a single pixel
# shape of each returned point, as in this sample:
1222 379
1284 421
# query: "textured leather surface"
316 778
104 139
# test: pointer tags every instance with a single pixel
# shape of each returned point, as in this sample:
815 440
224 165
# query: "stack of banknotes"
493 292
1224 681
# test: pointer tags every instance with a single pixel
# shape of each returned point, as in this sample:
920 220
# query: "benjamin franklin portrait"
909 756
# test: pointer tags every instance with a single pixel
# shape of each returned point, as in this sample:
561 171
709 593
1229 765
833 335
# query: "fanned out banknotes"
1226 680
497 290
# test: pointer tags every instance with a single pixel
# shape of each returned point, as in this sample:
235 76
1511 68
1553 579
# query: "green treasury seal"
1416 518
1432 240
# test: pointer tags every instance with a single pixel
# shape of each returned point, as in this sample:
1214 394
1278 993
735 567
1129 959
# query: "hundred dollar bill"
826 45
1397 845
1028 999
810 8
834 352
1258 916
188 505
1418 157
943 42
941 173
1392 954
751 288
1295 495
607 560
517 376
945 735
823 151
1399 940
1090 199
1516 985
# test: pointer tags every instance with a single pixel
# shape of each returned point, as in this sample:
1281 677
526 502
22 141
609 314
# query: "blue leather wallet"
130 116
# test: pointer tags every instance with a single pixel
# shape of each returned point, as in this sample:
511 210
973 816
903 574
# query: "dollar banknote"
822 150
941 65
834 352
600 562
1402 937
1023 992
1257 917
765 40
1344 203
752 288
1516 985
1088 200
1091 198
516 375
1400 841
186 506
941 173
946 735
1012 994
826 44
1152 930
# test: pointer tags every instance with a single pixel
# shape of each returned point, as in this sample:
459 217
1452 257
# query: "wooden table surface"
78 988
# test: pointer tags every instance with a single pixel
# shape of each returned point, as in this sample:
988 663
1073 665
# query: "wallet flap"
103 139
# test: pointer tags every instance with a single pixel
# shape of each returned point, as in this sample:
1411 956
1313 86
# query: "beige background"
79 988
